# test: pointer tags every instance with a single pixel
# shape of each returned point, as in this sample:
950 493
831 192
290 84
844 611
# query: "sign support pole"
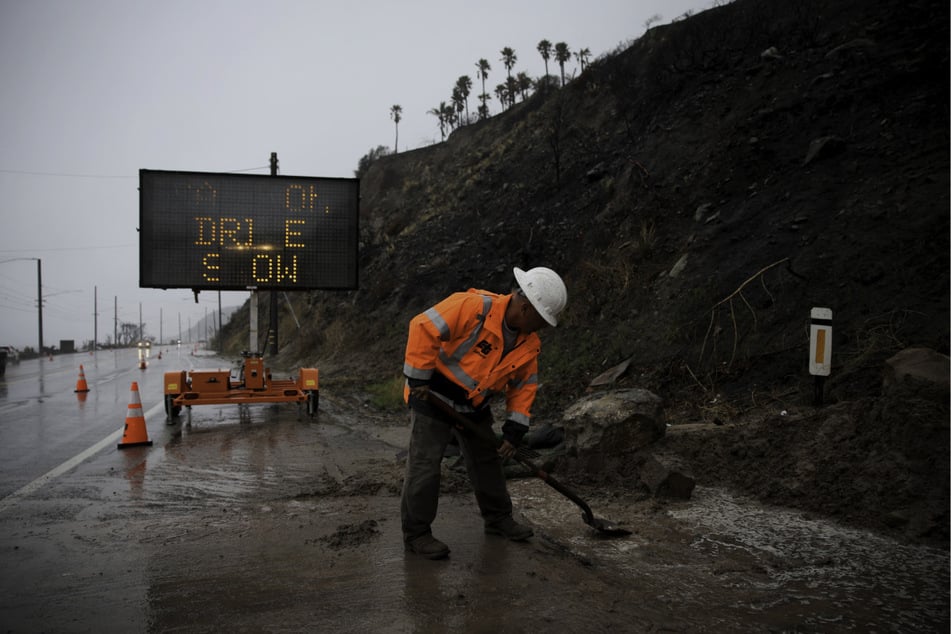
253 322
272 331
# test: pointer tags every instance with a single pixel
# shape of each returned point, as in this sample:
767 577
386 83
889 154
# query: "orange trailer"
254 384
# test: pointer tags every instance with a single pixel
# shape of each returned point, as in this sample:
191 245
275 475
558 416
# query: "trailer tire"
171 411
312 400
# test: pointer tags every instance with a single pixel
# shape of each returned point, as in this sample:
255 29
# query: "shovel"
605 527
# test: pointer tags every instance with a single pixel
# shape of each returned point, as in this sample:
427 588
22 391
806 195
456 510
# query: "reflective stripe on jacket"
461 338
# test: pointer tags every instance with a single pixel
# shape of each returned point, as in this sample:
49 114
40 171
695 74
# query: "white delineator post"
820 347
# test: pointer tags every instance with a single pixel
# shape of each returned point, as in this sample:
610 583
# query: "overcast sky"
92 91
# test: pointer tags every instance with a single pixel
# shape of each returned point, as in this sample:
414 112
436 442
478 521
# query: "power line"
61 174
111 246
107 176
251 169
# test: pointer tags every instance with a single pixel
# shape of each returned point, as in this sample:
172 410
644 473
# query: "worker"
465 350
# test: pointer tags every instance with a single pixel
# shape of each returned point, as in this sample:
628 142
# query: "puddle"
739 561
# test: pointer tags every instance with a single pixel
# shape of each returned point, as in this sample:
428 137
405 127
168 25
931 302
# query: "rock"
823 147
821 78
662 480
922 364
596 173
702 211
858 44
614 422
771 53
610 376
679 266
897 519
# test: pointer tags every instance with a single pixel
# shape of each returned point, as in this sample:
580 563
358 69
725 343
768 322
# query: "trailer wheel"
171 411
312 400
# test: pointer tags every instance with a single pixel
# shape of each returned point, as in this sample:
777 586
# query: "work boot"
427 546
510 529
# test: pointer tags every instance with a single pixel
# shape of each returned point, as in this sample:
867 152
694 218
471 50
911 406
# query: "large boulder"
609 437
614 422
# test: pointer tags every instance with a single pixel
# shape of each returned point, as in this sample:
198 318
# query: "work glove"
418 390
513 432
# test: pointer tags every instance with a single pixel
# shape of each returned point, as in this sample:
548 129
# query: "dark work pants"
421 485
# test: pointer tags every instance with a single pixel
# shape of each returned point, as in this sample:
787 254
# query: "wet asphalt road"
44 423
265 520
261 520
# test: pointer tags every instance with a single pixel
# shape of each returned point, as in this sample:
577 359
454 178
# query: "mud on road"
270 522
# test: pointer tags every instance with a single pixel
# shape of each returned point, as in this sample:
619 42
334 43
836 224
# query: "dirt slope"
700 192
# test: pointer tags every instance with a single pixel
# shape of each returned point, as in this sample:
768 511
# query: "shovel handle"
461 422
550 480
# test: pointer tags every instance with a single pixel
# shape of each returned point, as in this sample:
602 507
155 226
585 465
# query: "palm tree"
458 103
501 94
449 114
524 83
582 57
511 89
509 59
464 86
483 109
544 47
440 113
484 68
396 114
562 55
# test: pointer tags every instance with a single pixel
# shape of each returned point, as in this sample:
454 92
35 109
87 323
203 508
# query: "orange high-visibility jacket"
461 338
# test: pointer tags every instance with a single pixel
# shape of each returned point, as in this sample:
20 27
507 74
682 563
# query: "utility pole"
95 317
39 299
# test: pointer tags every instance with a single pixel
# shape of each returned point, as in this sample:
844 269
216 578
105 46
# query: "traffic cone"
135 432
81 382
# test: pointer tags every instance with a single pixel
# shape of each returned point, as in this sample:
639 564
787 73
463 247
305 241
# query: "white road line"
54 473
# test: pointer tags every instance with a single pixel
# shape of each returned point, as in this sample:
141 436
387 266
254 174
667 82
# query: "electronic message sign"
208 231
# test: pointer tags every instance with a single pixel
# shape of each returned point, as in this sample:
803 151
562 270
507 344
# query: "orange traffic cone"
135 432
81 382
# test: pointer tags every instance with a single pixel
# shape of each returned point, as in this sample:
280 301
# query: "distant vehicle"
12 354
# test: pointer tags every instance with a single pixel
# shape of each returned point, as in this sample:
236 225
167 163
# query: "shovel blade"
606 527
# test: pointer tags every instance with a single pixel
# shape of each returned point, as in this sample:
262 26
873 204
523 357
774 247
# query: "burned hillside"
700 192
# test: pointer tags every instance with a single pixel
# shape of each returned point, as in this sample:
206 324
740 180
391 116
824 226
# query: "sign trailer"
214 231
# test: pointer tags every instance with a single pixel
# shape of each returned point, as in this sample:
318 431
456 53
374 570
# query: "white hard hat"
545 290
